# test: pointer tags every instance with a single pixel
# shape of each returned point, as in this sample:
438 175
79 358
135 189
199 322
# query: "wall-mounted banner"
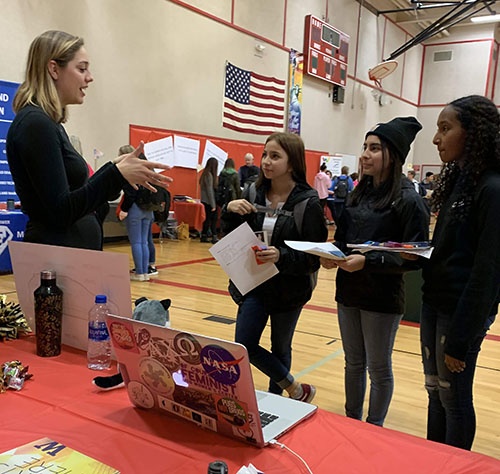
7 92
296 73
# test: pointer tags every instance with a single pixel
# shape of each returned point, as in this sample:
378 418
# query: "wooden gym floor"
197 286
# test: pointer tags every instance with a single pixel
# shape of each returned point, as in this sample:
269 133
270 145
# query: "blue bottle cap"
100 299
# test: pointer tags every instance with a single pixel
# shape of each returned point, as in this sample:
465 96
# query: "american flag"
253 103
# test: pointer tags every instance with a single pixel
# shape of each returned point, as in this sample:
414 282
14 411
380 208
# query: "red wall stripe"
495 75
421 78
403 73
490 62
383 40
373 86
479 40
230 24
398 26
357 43
284 23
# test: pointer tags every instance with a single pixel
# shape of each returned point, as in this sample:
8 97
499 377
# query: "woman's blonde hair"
38 87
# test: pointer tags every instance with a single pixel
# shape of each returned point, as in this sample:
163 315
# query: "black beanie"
399 132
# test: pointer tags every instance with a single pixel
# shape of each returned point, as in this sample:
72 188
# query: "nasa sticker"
220 364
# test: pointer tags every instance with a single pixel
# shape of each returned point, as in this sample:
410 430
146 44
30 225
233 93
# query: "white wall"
160 64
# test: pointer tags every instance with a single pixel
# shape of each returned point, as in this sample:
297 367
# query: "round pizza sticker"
122 335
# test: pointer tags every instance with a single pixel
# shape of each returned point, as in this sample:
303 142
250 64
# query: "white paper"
213 151
250 469
235 255
321 249
160 151
187 152
425 252
81 275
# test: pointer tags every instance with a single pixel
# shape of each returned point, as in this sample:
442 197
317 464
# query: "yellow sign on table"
50 456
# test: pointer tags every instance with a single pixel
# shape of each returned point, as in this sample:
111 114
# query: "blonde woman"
50 176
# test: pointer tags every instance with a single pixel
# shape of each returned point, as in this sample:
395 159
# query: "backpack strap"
252 193
298 214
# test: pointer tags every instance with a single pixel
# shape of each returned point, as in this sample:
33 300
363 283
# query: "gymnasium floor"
198 289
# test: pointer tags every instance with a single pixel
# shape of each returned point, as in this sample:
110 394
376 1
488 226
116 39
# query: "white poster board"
187 152
333 164
336 161
81 275
160 151
213 151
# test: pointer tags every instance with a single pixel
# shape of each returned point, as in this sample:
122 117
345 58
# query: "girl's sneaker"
308 393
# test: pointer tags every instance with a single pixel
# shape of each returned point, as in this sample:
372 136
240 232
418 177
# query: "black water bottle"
217 467
48 315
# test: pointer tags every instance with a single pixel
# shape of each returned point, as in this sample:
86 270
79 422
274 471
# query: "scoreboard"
325 51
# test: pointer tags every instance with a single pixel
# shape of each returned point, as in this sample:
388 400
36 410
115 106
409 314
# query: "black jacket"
292 287
379 286
462 278
52 181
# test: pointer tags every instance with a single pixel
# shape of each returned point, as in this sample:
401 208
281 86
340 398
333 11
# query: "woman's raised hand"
241 206
141 172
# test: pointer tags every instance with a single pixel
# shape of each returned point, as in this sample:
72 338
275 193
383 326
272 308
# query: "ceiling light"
485 19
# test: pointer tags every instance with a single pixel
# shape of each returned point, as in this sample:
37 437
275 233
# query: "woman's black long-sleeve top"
292 286
52 181
462 277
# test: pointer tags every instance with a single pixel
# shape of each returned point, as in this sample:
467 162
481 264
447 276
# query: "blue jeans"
451 418
151 246
368 339
138 224
250 323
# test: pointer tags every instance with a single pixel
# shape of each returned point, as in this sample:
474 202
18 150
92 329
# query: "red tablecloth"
61 403
192 213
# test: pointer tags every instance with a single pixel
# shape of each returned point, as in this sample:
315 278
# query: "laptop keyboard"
266 418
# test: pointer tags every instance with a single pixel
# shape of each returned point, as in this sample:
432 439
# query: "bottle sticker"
98 332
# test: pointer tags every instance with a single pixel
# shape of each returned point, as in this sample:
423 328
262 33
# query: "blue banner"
7 92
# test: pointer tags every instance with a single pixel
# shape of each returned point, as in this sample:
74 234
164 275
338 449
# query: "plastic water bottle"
99 348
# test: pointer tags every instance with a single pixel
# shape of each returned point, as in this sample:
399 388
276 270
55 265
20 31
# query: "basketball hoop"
382 70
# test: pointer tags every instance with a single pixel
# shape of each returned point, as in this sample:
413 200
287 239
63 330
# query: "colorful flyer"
52 456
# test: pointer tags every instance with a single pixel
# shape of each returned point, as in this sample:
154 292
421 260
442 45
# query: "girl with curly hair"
462 278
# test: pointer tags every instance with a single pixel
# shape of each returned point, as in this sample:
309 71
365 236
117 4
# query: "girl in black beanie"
369 287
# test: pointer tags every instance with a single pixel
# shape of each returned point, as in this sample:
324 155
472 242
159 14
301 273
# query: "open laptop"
204 380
